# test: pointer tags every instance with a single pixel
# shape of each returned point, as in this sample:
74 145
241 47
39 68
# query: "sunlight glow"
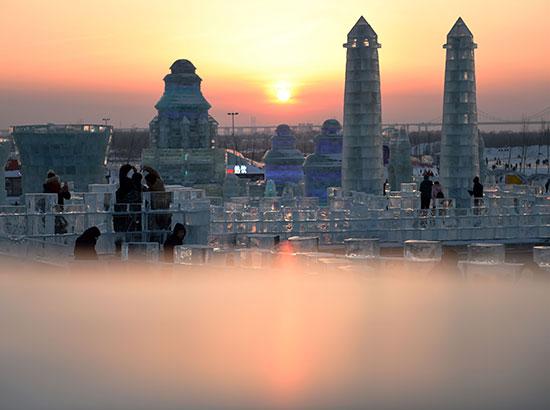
283 91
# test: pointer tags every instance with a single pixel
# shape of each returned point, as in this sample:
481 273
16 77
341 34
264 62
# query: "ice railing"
42 219
506 213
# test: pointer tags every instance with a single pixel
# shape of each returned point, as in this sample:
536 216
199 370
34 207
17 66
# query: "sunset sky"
278 61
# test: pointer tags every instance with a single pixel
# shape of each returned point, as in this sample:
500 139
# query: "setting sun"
283 92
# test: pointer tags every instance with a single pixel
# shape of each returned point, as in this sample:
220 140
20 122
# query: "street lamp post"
232 114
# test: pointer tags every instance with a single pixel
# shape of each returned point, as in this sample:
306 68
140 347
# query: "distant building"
362 168
459 160
284 163
323 168
76 153
182 133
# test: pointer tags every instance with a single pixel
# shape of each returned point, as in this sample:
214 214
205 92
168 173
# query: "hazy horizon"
81 63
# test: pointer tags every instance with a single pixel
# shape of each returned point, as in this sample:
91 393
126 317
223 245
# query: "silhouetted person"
449 263
174 239
160 199
135 194
128 200
84 247
547 185
437 191
425 192
52 185
477 192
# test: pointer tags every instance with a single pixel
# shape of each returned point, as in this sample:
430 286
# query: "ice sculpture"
284 162
423 251
182 133
76 153
488 253
362 166
140 251
323 168
459 138
362 247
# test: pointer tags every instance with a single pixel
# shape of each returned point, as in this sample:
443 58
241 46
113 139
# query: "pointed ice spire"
362 29
460 29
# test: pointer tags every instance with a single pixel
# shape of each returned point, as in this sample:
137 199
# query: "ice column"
459 139
362 167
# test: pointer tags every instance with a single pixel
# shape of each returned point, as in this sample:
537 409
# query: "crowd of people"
127 217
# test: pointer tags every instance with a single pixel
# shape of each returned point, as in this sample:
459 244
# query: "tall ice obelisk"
459 161
362 161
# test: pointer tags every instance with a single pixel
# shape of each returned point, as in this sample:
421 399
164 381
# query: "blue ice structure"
182 134
75 152
284 163
323 168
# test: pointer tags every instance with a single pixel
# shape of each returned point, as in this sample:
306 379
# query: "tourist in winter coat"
52 185
437 191
425 192
477 192
160 199
128 200
174 239
84 247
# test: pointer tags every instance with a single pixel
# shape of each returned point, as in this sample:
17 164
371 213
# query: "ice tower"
182 120
323 168
182 132
362 167
459 137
